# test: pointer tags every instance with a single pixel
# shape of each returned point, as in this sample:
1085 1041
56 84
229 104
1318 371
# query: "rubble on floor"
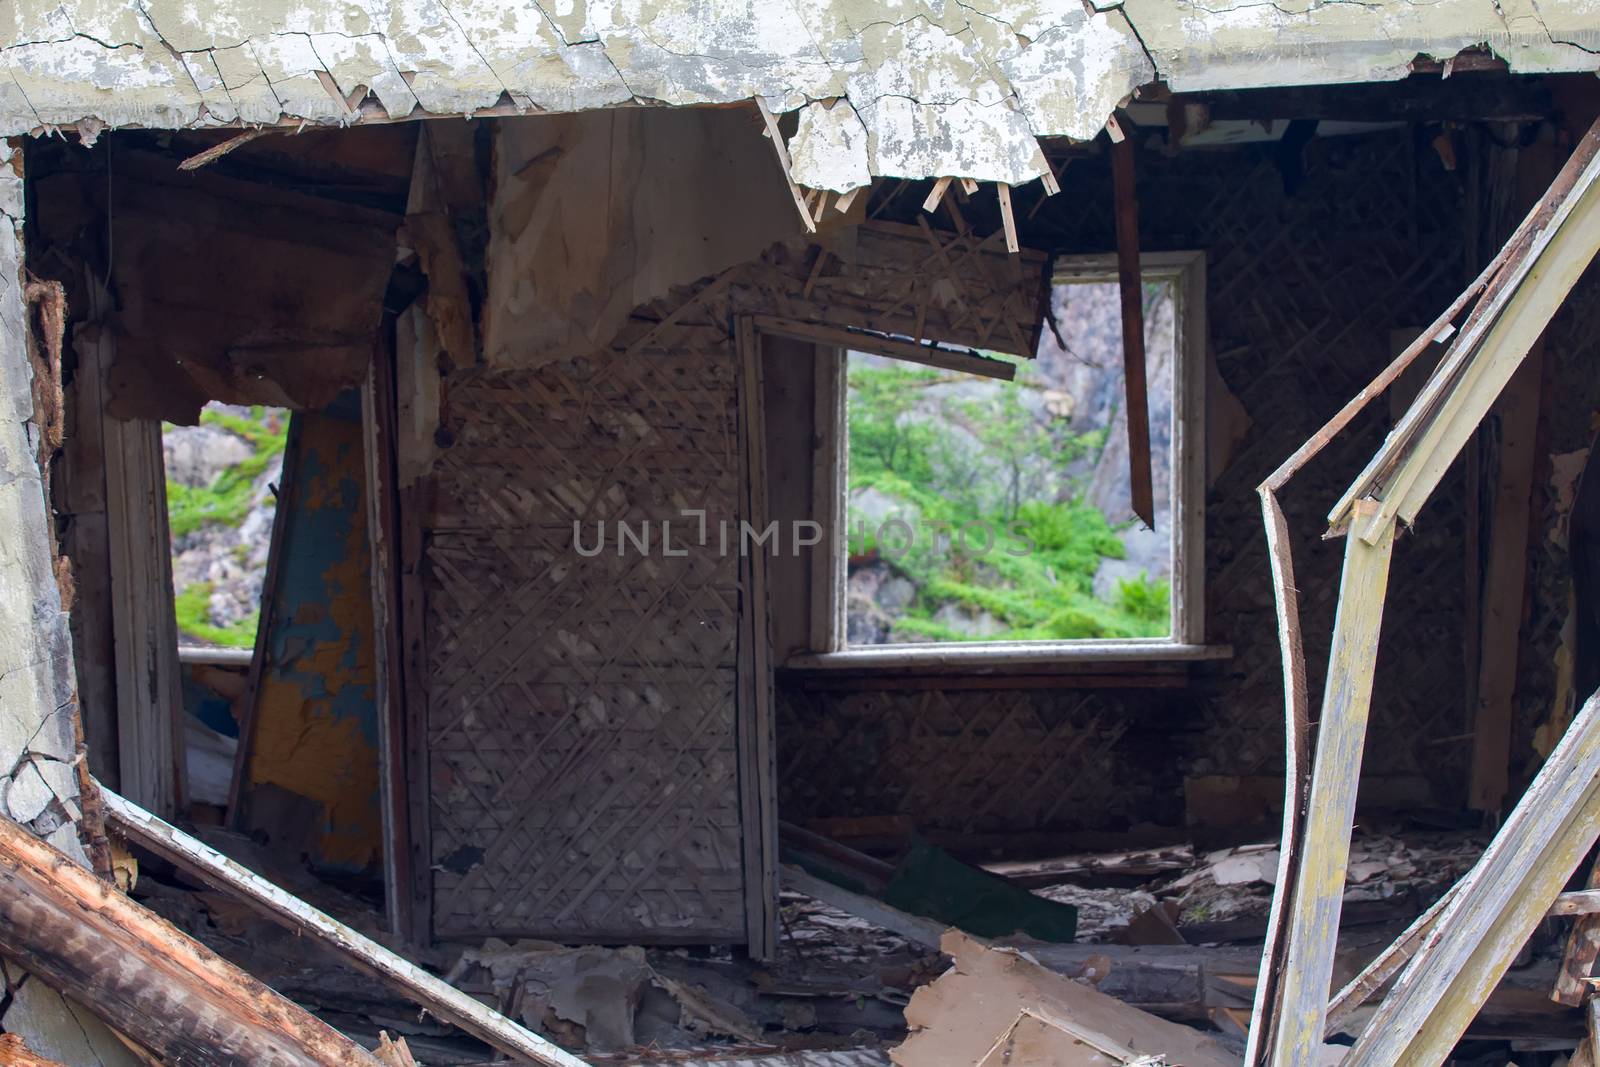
1235 884
1173 942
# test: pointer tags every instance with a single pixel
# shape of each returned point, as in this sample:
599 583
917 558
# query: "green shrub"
1145 599
193 608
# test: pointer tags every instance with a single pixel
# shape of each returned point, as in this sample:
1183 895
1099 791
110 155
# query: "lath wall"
581 709
1304 287
582 720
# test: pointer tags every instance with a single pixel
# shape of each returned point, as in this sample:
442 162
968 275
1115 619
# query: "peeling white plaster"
939 87
27 794
1217 44
830 149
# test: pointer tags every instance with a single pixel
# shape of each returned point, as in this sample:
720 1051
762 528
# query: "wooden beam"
1499 604
439 998
379 419
892 348
142 975
1495 909
1500 615
1336 768
1131 282
150 744
754 725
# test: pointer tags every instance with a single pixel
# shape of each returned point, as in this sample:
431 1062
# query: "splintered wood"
142 975
996 1007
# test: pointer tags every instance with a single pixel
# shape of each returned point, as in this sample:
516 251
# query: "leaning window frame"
1186 642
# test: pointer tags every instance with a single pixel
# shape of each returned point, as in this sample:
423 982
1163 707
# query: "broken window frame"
1186 272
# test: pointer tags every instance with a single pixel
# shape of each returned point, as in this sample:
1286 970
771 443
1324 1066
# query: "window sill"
214 657
1035 664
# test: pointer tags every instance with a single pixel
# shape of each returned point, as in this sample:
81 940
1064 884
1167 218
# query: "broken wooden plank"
222 148
150 743
1131 282
936 194
961 1018
782 150
1495 908
442 1000
1388 963
142 975
1330 812
892 348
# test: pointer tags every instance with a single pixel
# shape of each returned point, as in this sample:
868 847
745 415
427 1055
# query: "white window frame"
1187 639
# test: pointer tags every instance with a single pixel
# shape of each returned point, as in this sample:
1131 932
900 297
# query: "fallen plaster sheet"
917 88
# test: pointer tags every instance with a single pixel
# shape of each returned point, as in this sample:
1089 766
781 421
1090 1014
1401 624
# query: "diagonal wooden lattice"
581 707
961 760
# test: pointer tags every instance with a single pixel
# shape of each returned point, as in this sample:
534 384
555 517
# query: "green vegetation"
1036 577
193 606
227 499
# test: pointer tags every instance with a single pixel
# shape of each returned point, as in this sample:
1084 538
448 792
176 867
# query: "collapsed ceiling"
884 87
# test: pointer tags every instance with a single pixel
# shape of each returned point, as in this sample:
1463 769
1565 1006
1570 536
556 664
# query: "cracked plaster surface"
929 87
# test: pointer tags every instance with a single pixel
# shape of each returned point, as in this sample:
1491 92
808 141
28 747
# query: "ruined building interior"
671 639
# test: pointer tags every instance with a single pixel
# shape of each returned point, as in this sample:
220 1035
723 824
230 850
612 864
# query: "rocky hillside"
220 505
987 510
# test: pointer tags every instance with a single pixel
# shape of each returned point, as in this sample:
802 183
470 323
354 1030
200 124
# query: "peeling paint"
938 86
315 732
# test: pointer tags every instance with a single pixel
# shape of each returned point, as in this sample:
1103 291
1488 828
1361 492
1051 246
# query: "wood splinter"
217 151
776 137
937 194
1007 219
1131 283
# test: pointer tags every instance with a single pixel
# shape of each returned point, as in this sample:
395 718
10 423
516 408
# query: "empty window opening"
984 510
221 498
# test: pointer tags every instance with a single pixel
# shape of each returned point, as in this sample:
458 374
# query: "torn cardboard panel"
977 1006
